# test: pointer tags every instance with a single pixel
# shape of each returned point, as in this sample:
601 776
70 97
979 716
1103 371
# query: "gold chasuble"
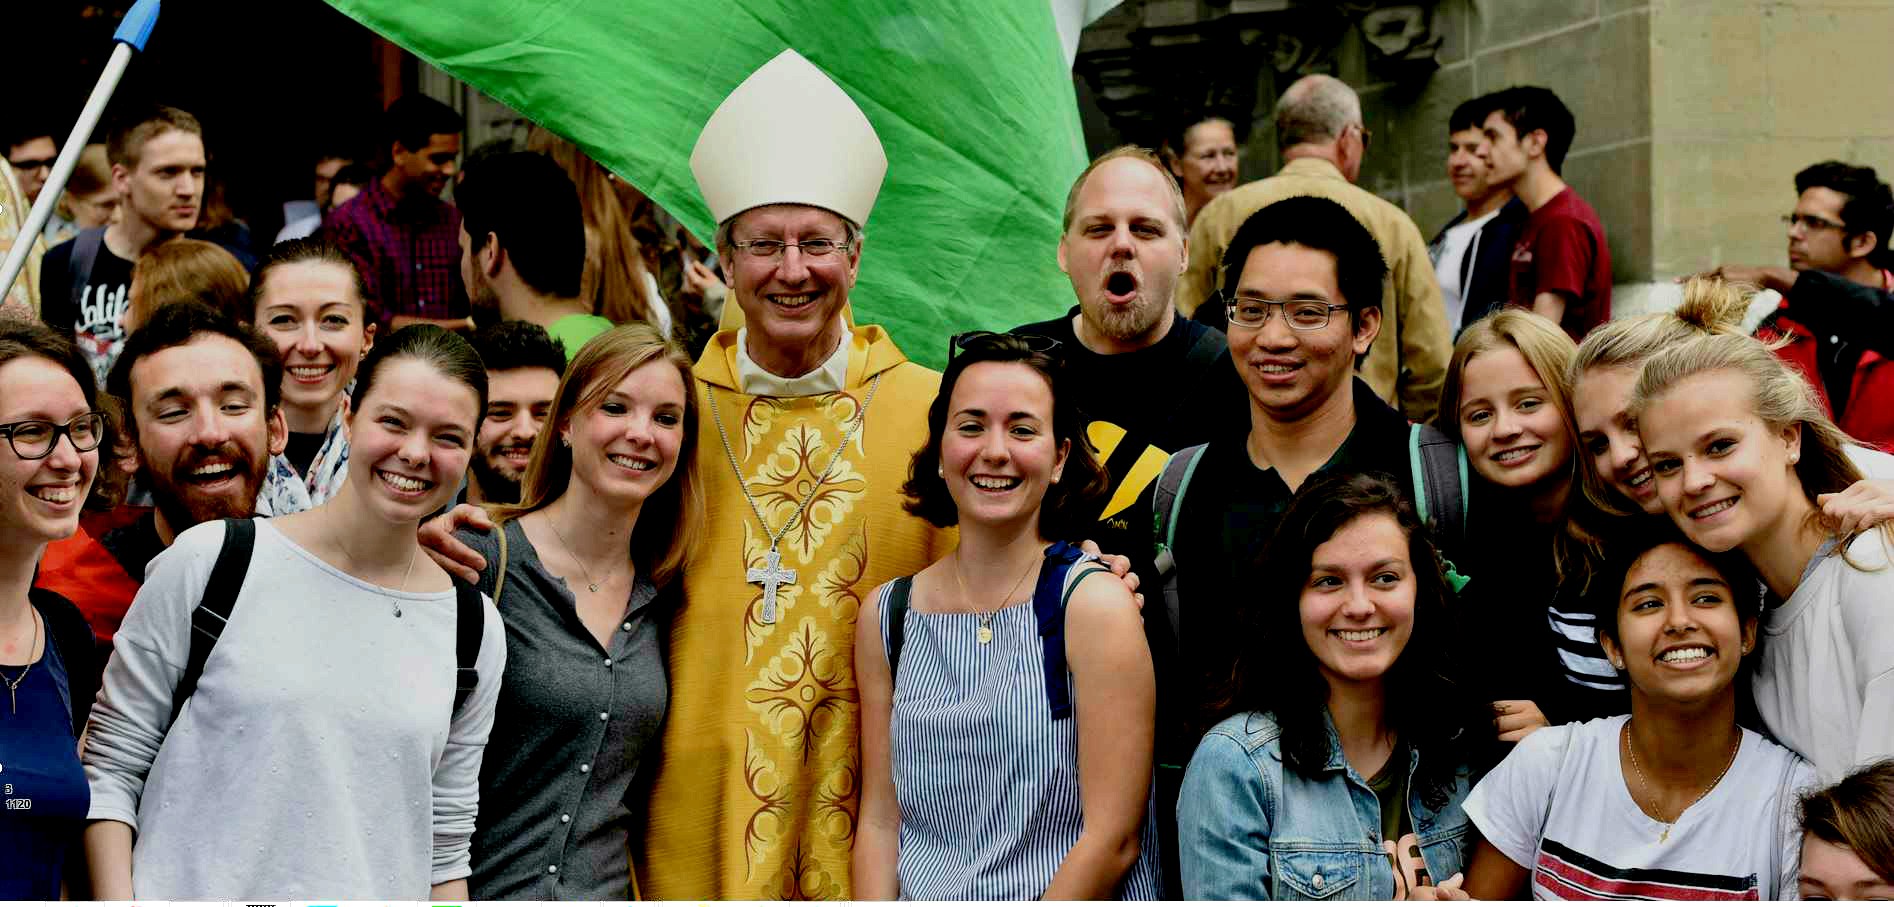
756 791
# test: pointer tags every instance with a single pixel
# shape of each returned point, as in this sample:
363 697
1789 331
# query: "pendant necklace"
1644 786
589 582
986 617
393 603
773 575
13 685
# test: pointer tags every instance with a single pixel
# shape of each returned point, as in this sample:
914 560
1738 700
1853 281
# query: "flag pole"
131 36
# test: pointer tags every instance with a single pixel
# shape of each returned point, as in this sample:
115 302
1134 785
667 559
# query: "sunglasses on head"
968 341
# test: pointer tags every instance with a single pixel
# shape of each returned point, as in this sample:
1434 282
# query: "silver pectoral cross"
770 576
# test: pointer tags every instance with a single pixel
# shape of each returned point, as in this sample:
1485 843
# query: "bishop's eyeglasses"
773 248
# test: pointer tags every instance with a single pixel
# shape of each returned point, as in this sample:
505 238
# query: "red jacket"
1869 415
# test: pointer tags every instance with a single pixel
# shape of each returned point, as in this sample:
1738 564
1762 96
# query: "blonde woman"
1740 449
1505 401
584 569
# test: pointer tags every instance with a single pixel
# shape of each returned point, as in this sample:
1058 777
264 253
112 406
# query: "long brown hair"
672 520
614 282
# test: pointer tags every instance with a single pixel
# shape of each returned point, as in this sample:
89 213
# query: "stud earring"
1617 663
940 471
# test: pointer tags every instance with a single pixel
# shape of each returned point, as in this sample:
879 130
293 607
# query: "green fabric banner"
972 100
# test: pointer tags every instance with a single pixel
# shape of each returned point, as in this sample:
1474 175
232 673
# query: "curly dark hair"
1428 704
1071 504
1869 207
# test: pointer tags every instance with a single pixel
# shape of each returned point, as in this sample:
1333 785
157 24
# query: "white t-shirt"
1825 684
1457 249
1559 806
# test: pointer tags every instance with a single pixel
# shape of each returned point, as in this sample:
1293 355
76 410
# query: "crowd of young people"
1610 627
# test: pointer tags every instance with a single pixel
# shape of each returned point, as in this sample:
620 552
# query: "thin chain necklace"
1644 785
589 582
773 574
393 603
986 617
13 686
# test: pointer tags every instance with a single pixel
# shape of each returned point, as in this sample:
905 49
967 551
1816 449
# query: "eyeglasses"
772 248
1367 136
41 164
33 439
1302 314
1810 222
969 341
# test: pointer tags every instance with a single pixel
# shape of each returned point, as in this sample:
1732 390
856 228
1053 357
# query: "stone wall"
1693 115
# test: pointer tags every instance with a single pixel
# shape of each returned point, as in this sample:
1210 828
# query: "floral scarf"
285 492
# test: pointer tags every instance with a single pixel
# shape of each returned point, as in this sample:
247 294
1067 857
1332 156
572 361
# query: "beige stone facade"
1693 115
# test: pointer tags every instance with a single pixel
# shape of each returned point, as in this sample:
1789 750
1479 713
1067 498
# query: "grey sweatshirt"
316 760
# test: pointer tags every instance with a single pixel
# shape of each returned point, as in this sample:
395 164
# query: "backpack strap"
469 625
900 592
212 613
1439 468
85 253
1167 502
1049 599
499 579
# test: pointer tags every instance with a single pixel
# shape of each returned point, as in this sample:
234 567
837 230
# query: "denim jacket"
1248 830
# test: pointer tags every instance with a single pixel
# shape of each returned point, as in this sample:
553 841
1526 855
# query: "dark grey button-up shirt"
570 732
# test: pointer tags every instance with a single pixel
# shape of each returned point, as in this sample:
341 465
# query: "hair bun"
1714 306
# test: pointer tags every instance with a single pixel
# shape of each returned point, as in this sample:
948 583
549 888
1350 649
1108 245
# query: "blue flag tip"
136 29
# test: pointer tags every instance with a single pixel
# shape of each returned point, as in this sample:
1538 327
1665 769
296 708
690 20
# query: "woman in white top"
332 746
1674 801
1742 451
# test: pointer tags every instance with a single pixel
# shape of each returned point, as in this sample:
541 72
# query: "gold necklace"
13 686
589 584
1644 785
986 617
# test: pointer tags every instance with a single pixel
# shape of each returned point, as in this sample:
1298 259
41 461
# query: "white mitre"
789 135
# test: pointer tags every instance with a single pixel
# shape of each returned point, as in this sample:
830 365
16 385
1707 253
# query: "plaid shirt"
409 256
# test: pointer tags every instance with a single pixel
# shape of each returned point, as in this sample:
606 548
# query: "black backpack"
212 614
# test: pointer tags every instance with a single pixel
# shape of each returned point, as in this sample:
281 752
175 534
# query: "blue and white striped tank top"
987 782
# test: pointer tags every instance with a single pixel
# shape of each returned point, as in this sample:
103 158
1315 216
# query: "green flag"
972 100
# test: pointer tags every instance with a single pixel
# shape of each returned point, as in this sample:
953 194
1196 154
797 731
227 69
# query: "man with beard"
399 232
522 245
523 368
1152 381
199 394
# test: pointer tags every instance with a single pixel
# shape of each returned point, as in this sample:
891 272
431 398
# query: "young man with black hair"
522 245
1473 253
85 284
304 217
402 237
200 395
1833 315
1561 266
523 368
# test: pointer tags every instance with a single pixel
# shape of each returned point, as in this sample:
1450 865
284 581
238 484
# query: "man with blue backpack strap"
1301 281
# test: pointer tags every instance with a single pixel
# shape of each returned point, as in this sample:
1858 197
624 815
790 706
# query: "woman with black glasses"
48 415
1007 692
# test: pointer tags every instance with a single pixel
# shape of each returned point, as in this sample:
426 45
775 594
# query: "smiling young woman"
1345 742
1673 802
1742 451
50 432
609 507
336 701
1050 689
